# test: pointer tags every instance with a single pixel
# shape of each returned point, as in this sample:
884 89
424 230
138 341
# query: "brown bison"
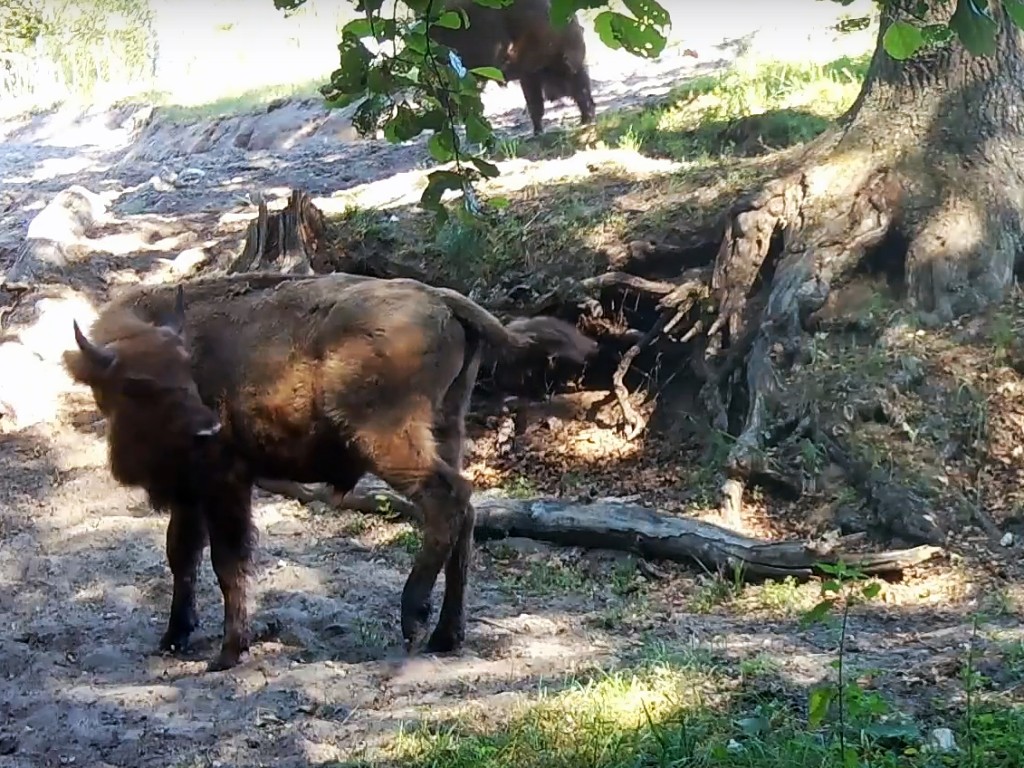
519 39
306 379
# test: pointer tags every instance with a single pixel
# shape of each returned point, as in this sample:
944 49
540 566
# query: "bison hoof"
445 640
175 641
414 625
226 659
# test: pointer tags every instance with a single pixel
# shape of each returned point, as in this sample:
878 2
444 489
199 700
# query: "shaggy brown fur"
308 379
519 39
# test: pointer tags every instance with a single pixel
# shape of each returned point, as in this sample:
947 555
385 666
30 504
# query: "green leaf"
499 202
648 12
817 704
478 130
487 170
491 73
850 758
351 75
619 31
1015 10
417 42
562 10
450 20
817 613
871 590
975 27
902 40
439 182
441 146
357 28
405 125
830 586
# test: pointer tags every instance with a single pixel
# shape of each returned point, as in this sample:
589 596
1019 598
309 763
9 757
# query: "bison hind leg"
407 458
533 92
579 85
450 632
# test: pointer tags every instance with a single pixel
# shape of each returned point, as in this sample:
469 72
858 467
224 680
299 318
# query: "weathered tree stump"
288 241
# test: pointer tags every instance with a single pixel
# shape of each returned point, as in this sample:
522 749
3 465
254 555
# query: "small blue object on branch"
456 62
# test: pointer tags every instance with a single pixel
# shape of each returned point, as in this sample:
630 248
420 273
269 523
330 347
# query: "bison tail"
552 336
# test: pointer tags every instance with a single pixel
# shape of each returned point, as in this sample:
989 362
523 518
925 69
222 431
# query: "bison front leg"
186 537
229 519
533 92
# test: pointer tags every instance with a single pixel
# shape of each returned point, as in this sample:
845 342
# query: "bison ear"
91 363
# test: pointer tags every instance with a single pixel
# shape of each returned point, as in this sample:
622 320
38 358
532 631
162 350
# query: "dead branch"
645 532
675 305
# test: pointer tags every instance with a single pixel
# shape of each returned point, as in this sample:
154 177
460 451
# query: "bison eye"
139 386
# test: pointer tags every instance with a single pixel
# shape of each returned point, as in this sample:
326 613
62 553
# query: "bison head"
143 383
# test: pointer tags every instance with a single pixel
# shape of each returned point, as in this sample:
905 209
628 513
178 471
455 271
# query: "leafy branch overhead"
410 83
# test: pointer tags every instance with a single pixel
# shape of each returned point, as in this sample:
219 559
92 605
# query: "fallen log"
631 528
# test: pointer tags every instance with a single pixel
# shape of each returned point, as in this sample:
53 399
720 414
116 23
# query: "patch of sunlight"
602 721
135 243
945 588
120 525
519 173
128 696
402 189
285 576
593 442
534 656
53 167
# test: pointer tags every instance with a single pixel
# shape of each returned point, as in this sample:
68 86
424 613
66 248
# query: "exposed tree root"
826 228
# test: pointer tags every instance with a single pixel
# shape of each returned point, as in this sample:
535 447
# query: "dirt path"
84 587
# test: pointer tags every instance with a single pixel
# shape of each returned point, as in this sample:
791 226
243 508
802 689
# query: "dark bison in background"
307 379
519 39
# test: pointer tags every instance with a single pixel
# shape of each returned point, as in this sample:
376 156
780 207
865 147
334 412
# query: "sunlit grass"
678 711
796 102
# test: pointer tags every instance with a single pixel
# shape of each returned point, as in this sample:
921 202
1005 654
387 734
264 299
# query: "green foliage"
973 22
21 23
70 47
410 83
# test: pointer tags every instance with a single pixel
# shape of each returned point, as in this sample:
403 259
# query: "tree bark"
923 173
288 241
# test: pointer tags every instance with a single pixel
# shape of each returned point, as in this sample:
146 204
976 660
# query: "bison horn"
98 355
177 319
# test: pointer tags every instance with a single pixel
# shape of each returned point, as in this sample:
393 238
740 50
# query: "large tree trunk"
923 172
